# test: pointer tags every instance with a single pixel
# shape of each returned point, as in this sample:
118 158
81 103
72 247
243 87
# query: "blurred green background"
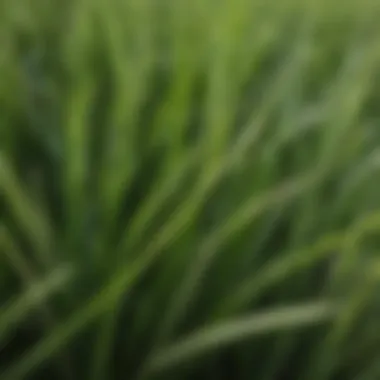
189 189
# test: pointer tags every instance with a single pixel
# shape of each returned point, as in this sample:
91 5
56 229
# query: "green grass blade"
227 333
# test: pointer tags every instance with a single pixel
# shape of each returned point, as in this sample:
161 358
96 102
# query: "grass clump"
189 189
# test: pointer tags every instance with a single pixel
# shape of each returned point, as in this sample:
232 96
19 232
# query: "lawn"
189 189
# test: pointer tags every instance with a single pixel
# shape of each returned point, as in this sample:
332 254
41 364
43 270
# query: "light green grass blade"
35 295
34 224
278 270
217 336
131 66
22 267
76 132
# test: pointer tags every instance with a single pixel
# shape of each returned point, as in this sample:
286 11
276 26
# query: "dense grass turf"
189 189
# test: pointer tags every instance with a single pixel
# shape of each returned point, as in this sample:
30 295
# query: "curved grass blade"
220 335
34 296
